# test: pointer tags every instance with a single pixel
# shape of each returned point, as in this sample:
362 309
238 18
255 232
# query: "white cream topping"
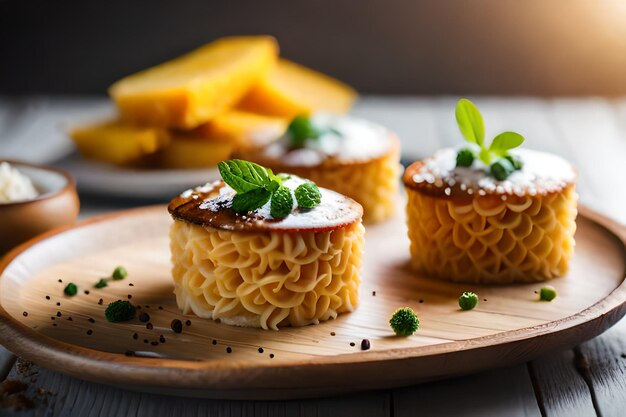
334 209
15 186
345 138
541 172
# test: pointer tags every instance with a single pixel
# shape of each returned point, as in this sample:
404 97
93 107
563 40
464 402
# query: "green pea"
119 273
501 169
102 283
468 300
70 289
547 293
464 158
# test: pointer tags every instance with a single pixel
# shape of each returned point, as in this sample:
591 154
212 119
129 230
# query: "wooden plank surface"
423 125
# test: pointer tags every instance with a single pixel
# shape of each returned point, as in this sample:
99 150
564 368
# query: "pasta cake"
245 261
351 156
512 220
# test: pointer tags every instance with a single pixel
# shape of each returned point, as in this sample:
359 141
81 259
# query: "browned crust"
187 209
457 194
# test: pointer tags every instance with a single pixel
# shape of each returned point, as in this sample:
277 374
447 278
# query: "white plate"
97 178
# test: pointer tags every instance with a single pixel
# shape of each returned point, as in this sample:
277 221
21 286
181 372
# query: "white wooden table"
587 380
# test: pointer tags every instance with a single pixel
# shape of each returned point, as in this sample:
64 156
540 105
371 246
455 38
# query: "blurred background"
426 47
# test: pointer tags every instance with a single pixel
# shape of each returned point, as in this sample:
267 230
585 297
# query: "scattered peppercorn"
60 280
374 293
260 350
89 332
91 320
177 326
365 344
52 318
271 355
119 311
86 292
102 283
54 324
130 296
188 323
404 321
70 289
468 300
352 344
547 293
145 340
59 314
130 284
214 342
47 297
135 336
160 307
162 339
421 301
149 326
229 349
25 314
119 273
70 319
58 304
100 301
144 317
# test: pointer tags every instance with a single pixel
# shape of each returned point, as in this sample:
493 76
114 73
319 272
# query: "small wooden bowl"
56 205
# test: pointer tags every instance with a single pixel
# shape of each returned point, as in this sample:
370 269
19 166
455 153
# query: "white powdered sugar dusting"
345 138
333 210
541 173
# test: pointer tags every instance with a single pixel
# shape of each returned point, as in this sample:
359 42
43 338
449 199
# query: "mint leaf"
485 155
244 176
282 203
252 200
308 195
470 121
300 129
505 141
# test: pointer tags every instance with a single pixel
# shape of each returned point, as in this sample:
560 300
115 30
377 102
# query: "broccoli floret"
119 311
404 321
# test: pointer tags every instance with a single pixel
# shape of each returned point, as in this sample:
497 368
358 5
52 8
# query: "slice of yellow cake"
193 88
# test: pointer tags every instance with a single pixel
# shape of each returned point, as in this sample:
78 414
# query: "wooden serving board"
509 325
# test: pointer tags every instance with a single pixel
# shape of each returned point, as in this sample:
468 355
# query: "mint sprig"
301 129
244 176
255 185
472 127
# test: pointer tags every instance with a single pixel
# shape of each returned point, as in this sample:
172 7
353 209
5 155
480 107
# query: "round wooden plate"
71 335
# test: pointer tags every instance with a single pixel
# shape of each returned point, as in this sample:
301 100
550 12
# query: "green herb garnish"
404 321
70 289
308 195
472 128
119 311
255 186
468 300
547 293
119 273
102 283
300 129
282 203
